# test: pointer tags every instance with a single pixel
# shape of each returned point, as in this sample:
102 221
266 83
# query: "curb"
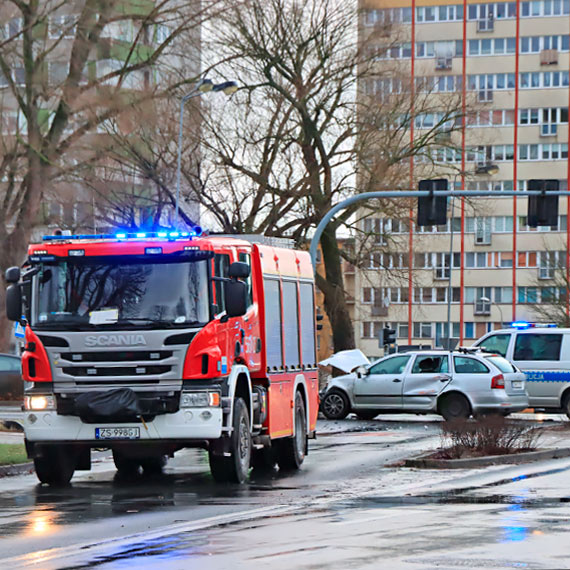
423 461
16 469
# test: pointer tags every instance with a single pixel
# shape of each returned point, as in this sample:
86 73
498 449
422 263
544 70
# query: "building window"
371 329
422 330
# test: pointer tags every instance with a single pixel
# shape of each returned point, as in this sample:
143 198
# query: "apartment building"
508 62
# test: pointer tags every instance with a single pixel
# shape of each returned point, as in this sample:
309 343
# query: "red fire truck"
147 343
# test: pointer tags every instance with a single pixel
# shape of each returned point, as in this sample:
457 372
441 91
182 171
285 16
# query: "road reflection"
40 522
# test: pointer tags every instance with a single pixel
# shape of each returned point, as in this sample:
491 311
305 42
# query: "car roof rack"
467 349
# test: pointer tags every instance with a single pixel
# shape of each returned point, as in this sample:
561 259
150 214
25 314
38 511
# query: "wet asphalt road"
344 509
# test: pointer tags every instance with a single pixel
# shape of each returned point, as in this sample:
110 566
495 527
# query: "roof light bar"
521 325
526 325
174 234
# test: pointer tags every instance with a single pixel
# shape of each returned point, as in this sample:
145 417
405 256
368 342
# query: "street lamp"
203 86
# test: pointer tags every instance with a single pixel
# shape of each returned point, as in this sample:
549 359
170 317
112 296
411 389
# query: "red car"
11 384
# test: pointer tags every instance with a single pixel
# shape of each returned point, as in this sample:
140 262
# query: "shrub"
490 435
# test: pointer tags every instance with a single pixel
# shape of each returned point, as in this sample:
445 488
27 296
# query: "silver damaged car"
453 384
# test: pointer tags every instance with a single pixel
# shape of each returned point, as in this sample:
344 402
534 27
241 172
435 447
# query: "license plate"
517 385
117 433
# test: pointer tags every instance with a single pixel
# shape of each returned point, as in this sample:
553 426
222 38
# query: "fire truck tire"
263 460
292 449
126 465
154 465
235 468
55 466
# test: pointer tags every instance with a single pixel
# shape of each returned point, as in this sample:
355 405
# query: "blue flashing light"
196 231
521 325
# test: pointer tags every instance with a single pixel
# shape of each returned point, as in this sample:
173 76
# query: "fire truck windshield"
122 294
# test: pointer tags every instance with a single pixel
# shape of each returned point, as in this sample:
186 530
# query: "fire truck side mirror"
14 302
13 274
239 270
236 297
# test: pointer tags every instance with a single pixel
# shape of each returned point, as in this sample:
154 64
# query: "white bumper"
187 424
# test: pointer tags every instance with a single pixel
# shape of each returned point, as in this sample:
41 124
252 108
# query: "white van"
543 354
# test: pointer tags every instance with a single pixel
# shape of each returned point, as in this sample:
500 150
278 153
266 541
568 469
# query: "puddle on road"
45 508
416 500
160 550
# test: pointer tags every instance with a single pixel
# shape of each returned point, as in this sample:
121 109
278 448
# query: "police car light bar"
196 231
521 325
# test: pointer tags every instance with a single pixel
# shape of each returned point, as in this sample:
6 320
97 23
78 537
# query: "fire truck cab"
148 343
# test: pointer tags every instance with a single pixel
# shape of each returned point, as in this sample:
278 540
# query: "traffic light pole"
414 194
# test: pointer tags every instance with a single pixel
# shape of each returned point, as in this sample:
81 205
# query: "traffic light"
432 210
542 209
387 336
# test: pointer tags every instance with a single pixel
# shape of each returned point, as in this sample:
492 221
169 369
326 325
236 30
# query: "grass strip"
12 453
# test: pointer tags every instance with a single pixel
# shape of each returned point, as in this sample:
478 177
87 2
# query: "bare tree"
302 133
305 134
548 295
67 69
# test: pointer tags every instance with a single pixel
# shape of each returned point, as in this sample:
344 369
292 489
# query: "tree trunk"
332 286
9 257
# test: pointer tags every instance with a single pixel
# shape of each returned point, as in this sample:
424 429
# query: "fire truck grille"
133 371
126 356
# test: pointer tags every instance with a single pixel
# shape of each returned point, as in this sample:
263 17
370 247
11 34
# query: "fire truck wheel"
235 468
263 460
154 465
55 466
126 465
292 449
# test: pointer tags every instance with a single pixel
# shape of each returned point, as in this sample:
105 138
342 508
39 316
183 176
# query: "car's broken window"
429 364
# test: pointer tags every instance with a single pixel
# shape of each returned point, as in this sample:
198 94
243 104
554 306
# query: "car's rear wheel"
335 405
454 406
566 404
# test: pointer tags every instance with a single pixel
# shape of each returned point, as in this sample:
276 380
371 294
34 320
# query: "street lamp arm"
412 194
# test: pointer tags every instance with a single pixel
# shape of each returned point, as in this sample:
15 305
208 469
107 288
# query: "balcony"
441 273
546 272
486 25
548 130
443 63
379 311
483 238
549 57
482 308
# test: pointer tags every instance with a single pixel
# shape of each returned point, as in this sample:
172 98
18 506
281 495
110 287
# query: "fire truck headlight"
199 399
39 403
